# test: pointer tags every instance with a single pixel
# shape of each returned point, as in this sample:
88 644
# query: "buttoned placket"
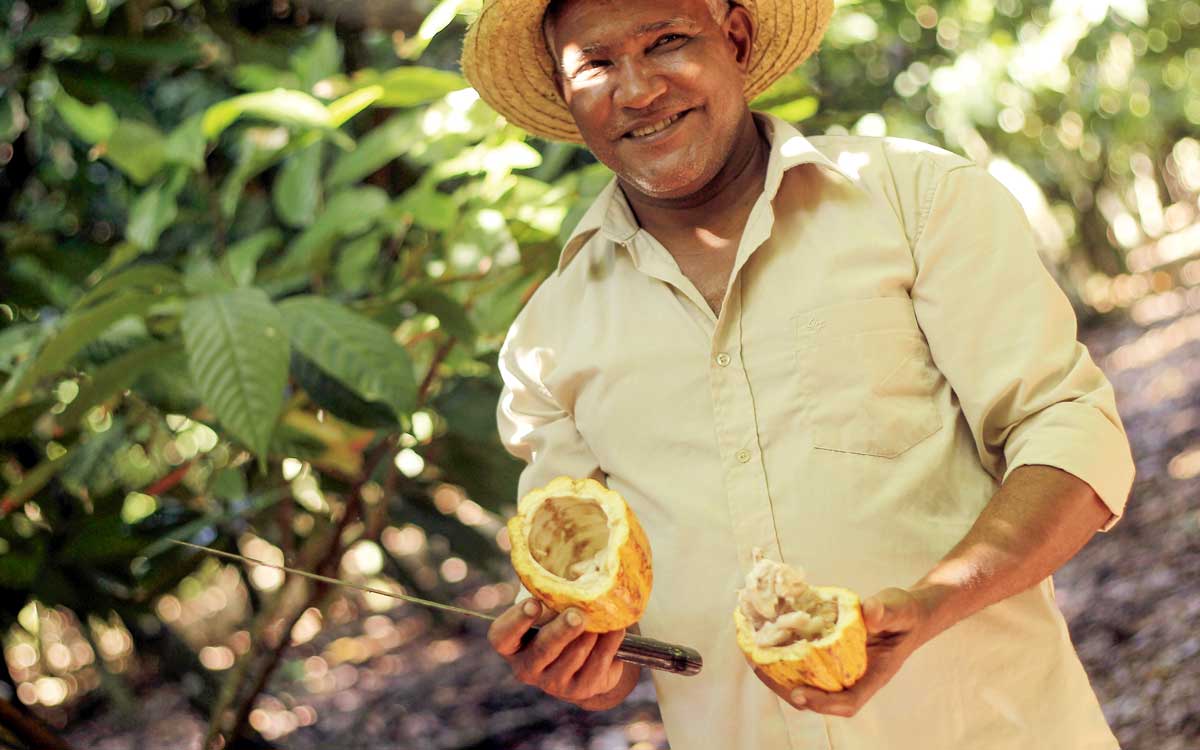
735 420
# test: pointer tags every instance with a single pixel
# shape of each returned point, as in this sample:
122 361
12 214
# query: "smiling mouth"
657 127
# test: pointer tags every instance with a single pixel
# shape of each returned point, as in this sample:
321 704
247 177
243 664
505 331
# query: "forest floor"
1132 598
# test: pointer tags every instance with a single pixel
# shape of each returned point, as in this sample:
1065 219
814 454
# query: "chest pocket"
866 377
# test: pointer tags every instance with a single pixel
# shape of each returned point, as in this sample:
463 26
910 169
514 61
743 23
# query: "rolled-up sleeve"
532 425
1004 335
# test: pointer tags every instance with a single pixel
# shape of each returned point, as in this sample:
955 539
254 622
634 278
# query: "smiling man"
841 350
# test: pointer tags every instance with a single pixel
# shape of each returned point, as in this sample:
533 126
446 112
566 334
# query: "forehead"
586 23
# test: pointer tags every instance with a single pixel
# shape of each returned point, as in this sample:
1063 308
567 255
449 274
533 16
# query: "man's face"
630 68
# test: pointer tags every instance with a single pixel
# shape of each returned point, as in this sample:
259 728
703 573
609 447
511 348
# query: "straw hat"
506 60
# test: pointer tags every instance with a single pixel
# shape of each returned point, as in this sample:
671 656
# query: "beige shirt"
889 348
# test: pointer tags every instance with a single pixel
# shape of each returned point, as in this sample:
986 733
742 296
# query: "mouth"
652 130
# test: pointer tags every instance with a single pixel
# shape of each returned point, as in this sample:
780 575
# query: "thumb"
888 611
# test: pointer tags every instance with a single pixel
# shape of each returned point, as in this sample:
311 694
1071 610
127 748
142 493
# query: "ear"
739 30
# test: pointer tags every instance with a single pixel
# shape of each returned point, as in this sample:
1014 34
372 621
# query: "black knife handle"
648 652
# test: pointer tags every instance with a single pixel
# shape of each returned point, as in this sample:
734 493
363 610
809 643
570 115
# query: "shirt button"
742 456
724 359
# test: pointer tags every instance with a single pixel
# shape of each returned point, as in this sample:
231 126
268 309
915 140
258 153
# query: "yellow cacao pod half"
798 634
576 543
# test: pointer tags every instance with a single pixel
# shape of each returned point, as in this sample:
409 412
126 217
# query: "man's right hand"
563 660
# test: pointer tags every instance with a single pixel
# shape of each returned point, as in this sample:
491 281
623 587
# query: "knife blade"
634 649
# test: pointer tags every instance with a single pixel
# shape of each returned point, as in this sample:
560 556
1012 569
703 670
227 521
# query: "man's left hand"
895 620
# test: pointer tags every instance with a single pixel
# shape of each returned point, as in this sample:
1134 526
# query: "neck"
723 201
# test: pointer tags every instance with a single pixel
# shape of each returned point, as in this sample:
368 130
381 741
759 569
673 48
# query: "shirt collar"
611 215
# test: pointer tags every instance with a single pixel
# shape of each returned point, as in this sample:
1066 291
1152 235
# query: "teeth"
656 127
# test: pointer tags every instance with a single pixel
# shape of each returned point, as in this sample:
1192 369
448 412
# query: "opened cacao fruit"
799 634
576 543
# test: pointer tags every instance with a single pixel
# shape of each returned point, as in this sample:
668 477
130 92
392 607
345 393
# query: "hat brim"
506 60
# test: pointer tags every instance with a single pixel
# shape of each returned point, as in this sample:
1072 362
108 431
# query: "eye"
588 67
667 39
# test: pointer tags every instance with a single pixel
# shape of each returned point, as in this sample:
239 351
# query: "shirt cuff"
1081 441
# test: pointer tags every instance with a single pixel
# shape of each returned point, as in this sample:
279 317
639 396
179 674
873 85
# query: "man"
842 350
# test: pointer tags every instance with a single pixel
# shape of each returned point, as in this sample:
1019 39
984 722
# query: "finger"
561 671
597 671
844 703
506 630
550 642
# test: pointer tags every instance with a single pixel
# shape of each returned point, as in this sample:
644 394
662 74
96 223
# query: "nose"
638 86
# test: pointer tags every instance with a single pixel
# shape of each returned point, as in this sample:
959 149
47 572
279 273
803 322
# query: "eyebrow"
646 28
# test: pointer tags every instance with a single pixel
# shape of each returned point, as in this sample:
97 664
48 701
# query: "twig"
29 729
265 667
438 357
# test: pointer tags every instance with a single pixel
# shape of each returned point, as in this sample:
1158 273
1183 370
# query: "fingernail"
530 608
574 619
798 698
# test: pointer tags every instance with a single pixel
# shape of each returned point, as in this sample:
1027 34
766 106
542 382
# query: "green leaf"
34 480
238 358
13 119
328 393
114 377
18 423
186 144
83 326
95 540
320 59
151 213
357 260
796 110
428 208
241 258
341 110
137 149
450 314
286 107
297 191
93 124
386 142
410 85
357 351
150 277
435 21
260 77
351 211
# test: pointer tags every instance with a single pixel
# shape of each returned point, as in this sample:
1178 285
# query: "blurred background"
259 256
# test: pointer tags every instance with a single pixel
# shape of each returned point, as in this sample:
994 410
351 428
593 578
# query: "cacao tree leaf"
241 258
151 213
149 277
320 58
137 149
347 213
346 107
13 118
93 124
451 315
34 480
386 142
356 261
238 358
343 403
427 208
297 190
186 144
435 21
360 353
282 106
85 325
411 85
18 423
260 77
114 377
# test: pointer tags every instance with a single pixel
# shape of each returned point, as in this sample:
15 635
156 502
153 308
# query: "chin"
672 184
